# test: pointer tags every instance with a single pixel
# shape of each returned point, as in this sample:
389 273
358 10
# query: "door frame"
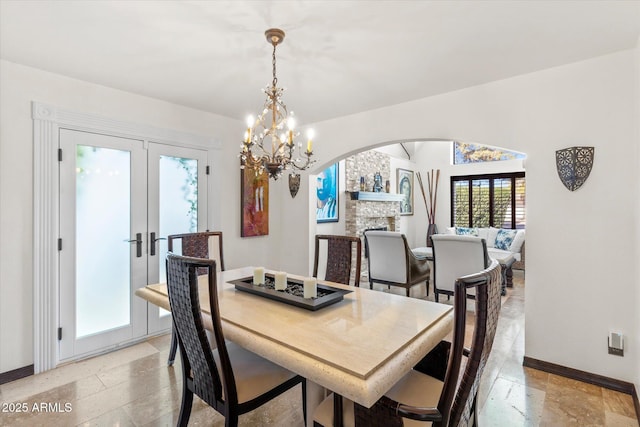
47 121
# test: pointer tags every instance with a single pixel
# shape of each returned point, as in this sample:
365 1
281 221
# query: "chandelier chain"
273 61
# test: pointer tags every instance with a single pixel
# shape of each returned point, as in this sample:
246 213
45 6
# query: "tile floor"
134 387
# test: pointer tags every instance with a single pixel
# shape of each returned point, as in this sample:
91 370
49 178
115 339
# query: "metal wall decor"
294 184
574 165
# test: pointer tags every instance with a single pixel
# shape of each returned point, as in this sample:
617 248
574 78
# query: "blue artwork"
327 195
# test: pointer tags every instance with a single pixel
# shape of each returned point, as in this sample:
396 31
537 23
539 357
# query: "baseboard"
16 374
636 402
586 377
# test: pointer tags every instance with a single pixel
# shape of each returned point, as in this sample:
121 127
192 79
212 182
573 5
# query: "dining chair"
228 378
334 257
203 244
455 256
391 261
438 391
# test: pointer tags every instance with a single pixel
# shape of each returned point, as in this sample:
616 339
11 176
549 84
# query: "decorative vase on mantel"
431 230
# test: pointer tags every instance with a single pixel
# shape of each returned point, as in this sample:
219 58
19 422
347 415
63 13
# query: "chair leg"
338 418
408 289
426 284
304 400
436 294
474 411
231 420
173 348
185 407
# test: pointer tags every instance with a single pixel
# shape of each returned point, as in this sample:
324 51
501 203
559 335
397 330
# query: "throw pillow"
491 236
466 231
504 238
518 241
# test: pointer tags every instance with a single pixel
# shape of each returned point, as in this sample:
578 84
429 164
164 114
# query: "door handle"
153 240
138 242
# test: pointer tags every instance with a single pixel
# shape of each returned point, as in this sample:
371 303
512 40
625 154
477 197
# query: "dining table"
359 346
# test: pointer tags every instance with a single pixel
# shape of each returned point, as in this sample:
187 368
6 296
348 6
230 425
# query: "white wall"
19 85
580 276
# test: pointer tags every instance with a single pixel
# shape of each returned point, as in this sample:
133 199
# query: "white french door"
117 198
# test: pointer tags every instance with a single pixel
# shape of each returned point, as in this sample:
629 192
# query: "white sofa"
499 243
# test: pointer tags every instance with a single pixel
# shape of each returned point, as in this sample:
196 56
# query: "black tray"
327 295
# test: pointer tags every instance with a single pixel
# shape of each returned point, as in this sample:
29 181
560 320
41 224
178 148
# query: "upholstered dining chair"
391 261
334 258
229 378
438 391
203 244
455 256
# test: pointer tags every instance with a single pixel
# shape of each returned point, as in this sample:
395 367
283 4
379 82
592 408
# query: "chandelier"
267 145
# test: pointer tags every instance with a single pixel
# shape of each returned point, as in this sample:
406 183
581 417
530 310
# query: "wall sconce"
574 165
294 184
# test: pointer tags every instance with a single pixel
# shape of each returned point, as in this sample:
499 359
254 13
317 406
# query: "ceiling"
337 58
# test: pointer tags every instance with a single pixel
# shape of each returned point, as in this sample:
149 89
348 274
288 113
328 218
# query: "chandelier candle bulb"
281 280
258 276
310 287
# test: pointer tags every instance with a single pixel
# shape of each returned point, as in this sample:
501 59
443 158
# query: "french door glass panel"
103 203
178 186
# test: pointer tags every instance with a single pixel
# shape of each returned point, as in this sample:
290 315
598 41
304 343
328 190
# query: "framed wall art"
327 195
254 200
404 184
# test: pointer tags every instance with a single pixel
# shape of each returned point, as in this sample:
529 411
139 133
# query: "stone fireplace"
369 210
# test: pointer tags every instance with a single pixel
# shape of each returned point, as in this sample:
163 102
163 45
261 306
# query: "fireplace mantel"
376 196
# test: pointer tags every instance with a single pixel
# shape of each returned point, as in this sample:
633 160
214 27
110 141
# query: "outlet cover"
615 343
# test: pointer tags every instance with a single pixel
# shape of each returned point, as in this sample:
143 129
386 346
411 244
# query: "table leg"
315 396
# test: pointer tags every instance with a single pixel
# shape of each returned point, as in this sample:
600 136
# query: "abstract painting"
254 197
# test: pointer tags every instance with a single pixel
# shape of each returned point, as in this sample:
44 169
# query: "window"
464 152
496 200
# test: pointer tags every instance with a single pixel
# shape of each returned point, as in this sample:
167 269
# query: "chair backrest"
455 256
366 248
487 286
203 244
334 258
388 256
198 362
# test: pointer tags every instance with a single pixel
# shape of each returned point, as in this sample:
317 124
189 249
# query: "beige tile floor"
134 387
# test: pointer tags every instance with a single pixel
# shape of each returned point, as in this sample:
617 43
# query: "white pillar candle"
258 276
281 280
310 287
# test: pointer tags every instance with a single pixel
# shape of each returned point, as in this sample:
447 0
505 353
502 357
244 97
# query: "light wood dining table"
358 347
